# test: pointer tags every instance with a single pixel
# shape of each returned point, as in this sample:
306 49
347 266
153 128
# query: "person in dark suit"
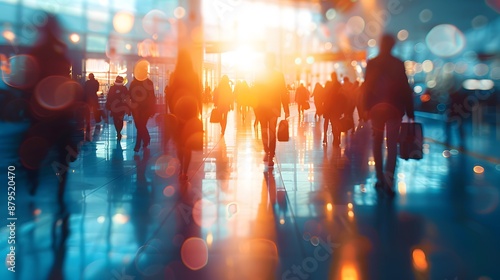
90 89
388 97
333 109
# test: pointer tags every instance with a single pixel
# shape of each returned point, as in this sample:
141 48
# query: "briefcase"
283 133
411 141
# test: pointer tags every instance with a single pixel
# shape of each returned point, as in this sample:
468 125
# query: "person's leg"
378 138
146 137
223 123
118 122
87 122
392 150
187 161
336 132
140 132
272 139
325 128
264 127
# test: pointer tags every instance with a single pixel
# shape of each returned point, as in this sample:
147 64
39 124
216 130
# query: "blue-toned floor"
314 216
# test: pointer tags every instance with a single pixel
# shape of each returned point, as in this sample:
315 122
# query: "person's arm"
284 96
109 98
151 105
409 108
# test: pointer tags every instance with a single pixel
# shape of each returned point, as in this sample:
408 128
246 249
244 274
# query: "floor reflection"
315 215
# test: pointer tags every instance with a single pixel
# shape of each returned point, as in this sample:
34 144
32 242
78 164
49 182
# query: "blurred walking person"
272 95
388 97
185 102
223 100
302 99
90 94
333 109
348 92
142 104
318 95
118 104
57 123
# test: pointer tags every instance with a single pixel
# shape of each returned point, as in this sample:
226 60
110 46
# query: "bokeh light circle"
194 253
204 213
123 22
479 21
495 73
425 15
57 93
403 35
355 25
166 166
168 191
419 47
179 12
74 37
372 43
21 71
141 70
481 69
315 241
445 40
331 14
156 22
419 260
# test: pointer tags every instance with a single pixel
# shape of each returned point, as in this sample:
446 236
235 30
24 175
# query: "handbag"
306 106
346 124
283 133
215 116
411 140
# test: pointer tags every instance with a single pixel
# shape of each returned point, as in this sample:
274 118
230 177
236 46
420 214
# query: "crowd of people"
383 98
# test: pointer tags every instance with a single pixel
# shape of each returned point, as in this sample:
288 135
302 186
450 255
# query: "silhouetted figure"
388 97
117 103
143 102
457 113
90 94
242 93
184 100
207 94
318 95
223 100
348 91
272 94
55 108
301 98
253 97
359 102
333 108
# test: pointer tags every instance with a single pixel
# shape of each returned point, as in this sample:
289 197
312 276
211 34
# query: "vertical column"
191 32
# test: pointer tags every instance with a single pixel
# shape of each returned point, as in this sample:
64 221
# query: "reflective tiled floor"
315 215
